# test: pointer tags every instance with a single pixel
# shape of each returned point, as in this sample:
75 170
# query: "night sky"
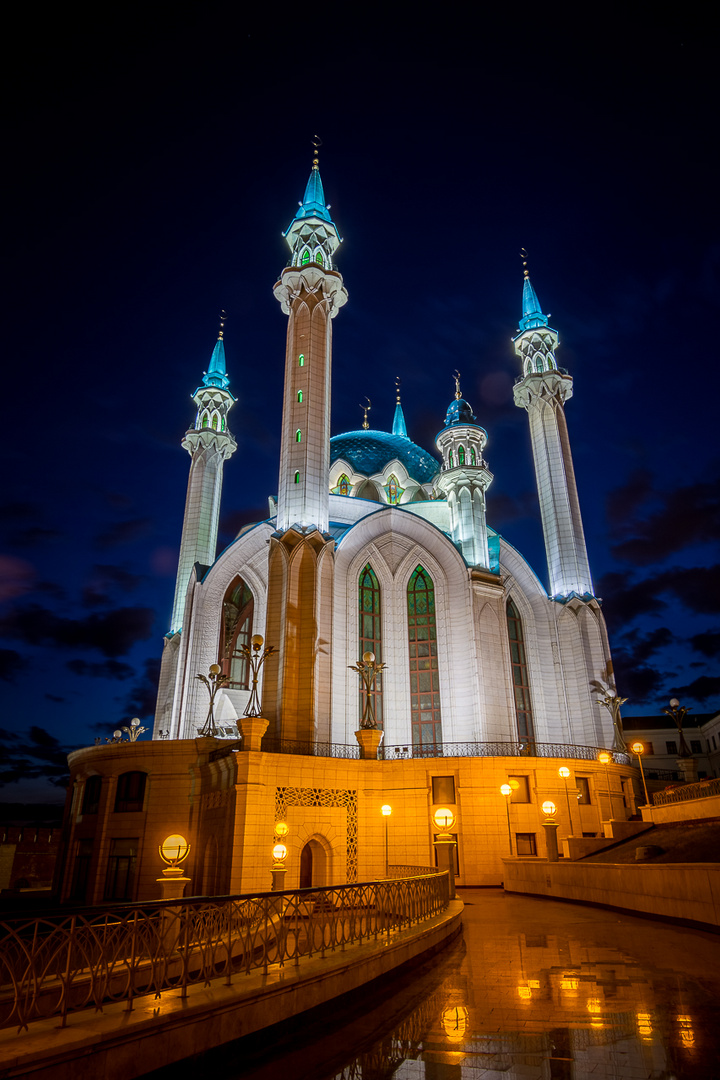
153 167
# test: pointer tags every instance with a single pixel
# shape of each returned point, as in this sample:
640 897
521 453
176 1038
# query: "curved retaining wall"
118 1043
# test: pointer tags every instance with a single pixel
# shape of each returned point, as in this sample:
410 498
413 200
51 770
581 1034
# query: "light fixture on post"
214 681
253 724
564 772
369 735
174 850
279 854
386 811
443 819
506 790
638 749
551 826
604 759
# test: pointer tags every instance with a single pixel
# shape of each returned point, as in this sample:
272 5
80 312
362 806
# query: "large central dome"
370 451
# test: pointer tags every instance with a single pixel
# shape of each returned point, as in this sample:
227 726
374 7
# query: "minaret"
543 392
399 426
209 443
297 685
310 291
465 478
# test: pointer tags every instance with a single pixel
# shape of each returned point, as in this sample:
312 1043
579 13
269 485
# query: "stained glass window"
318 257
424 675
205 420
297 477
305 258
215 422
370 634
473 458
521 682
236 631
301 360
461 455
451 460
298 435
223 424
343 486
300 395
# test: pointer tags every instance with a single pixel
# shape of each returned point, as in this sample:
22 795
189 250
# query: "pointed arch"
473 456
298 435
370 634
300 397
236 631
520 676
450 459
305 257
424 675
461 454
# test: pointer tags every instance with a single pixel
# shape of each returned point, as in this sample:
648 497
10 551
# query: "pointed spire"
398 427
532 316
366 409
216 374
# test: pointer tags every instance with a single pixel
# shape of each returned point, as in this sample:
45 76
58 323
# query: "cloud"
32 755
123 532
702 688
707 643
635 678
650 525
107 669
696 587
113 633
105 582
55 698
142 698
11 663
16 577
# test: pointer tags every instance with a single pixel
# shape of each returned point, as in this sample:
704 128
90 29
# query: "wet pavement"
533 990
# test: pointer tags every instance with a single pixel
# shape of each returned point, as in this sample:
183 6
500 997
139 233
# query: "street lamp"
678 713
551 826
368 669
173 851
604 759
255 660
565 773
214 681
443 820
279 854
386 811
638 749
506 790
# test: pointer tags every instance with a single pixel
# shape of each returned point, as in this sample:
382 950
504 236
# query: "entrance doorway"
313 866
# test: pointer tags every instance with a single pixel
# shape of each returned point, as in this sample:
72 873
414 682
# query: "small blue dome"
460 412
370 451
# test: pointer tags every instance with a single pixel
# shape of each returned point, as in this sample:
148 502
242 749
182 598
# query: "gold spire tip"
366 409
397 389
456 377
523 256
317 143
223 320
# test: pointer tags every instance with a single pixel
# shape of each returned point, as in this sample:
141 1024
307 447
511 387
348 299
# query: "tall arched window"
305 257
473 458
424 676
301 360
451 460
461 455
300 395
319 257
370 633
236 631
298 435
521 681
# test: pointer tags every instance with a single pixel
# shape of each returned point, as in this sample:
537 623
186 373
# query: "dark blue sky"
154 167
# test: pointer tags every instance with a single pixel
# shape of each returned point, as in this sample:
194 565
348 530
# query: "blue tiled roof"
370 451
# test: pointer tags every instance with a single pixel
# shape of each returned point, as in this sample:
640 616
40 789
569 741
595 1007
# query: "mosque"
372 545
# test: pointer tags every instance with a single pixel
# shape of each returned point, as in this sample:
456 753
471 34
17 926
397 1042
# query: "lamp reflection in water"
455 1022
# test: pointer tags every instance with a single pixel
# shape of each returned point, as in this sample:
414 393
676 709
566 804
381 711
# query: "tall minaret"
465 478
543 391
298 675
209 443
310 291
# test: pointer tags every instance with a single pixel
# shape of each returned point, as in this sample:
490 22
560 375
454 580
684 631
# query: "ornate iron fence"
310 749
687 792
498 749
57 964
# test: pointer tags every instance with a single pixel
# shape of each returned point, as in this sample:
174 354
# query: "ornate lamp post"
551 826
214 681
638 749
608 697
368 670
135 729
255 659
445 844
174 850
678 713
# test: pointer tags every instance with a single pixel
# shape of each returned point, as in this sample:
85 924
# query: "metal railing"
310 749
687 792
58 964
498 749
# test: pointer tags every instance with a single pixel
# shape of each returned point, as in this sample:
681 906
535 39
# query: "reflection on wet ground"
534 990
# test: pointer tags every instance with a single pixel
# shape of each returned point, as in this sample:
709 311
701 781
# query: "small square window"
525 843
443 789
520 789
671 747
583 790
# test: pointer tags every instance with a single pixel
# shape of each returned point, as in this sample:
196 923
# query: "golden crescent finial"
223 320
366 409
523 256
397 389
456 377
317 143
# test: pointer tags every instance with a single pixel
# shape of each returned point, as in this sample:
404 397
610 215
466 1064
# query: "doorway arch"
313 865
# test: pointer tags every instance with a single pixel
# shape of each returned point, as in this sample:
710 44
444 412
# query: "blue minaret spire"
399 427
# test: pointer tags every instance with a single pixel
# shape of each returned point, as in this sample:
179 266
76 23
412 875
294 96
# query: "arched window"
461 455
236 631
298 435
215 422
297 477
300 395
319 257
305 257
91 795
521 681
424 675
205 421
130 792
222 426
473 458
370 634
301 360
343 485
451 460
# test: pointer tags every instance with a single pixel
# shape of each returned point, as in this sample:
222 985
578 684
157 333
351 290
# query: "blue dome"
460 412
369 452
